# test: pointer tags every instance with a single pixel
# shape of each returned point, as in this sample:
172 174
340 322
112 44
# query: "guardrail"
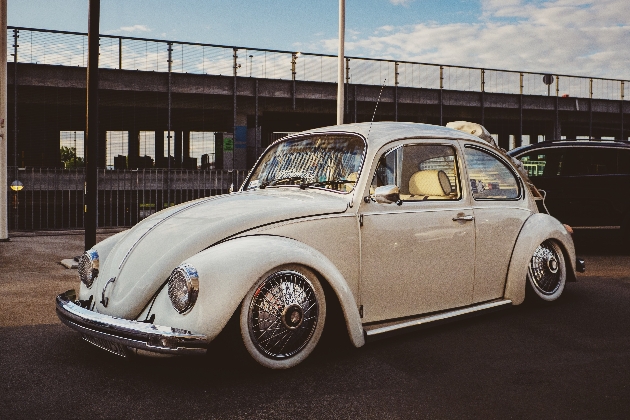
53 198
42 46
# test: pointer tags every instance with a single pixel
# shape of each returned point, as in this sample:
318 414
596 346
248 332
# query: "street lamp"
17 186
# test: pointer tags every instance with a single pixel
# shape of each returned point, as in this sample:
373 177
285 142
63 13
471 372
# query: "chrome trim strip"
135 334
437 317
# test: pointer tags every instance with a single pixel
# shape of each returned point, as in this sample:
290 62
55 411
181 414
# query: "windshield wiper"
333 182
265 184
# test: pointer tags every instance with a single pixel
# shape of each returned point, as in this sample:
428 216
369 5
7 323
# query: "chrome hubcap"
283 314
544 268
292 316
552 265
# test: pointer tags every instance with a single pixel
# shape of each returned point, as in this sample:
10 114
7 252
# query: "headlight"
183 288
88 267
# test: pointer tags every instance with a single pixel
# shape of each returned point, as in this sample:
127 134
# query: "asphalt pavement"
569 359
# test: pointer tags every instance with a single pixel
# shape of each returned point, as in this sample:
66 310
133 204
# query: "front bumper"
117 334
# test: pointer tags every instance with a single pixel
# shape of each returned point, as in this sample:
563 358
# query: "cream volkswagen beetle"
399 224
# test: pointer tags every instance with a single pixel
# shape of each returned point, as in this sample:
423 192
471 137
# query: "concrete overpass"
51 98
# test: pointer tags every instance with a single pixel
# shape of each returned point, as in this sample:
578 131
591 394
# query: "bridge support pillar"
253 145
550 130
101 159
240 142
133 149
51 153
178 149
159 148
504 140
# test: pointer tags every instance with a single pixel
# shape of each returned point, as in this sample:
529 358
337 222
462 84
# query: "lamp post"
91 127
340 60
4 219
16 186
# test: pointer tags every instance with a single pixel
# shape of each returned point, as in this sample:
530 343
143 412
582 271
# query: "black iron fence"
46 199
44 46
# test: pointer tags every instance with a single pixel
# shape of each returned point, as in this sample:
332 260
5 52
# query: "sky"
576 37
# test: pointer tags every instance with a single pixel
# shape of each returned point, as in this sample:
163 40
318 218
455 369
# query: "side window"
602 162
623 162
490 178
421 172
545 162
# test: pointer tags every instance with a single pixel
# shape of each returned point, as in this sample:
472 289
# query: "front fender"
229 270
537 228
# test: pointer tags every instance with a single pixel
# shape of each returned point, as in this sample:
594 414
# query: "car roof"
380 133
569 143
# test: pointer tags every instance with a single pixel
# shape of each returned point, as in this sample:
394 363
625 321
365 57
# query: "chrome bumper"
113 334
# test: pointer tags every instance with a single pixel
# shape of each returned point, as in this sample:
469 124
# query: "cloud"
578 37
134 28
400 2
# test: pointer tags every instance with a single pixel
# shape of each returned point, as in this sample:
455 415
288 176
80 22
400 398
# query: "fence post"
520 108
590 110
396 91
346 95
621 107
558 131
119 53
440 93
168 134
483 96
234 109
293 61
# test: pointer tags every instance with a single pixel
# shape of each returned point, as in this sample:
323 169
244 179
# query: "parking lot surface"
570 359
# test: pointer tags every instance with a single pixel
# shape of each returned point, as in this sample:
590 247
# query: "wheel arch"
537 228
245 260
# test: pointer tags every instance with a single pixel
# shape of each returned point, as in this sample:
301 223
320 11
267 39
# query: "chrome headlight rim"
88 267
183 288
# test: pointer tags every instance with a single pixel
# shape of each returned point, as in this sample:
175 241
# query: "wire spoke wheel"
284 317
547 271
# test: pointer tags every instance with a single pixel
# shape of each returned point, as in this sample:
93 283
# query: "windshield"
326 161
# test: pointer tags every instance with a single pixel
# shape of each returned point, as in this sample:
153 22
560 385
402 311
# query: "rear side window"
623 162
490 179
544 162
576 161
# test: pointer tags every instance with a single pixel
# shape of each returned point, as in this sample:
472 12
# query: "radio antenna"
377 101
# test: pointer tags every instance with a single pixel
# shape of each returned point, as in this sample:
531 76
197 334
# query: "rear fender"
229 270
537 228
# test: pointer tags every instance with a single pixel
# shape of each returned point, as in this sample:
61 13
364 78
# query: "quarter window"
490 178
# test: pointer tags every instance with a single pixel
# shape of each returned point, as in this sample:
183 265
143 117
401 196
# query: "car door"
500 209
417 255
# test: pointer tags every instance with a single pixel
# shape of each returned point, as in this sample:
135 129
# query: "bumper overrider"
118 335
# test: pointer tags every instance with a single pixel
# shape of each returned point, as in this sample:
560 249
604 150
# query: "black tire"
546 273
282 317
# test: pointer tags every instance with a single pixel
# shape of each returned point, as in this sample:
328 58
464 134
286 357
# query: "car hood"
144 257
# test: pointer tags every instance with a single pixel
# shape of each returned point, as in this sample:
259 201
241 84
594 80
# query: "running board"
386 329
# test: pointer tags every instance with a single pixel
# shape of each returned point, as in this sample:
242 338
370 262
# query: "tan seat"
429 184
351 177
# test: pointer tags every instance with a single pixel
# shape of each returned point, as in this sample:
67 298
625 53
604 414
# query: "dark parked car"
587 183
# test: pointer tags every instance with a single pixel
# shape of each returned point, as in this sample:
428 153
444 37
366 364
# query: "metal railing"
130 53
53 198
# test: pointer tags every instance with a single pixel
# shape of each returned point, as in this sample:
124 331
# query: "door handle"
462 218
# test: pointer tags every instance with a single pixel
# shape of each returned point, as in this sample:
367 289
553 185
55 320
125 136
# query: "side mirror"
387 194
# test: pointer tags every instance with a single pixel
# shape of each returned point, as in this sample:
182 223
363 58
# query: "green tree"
69 157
